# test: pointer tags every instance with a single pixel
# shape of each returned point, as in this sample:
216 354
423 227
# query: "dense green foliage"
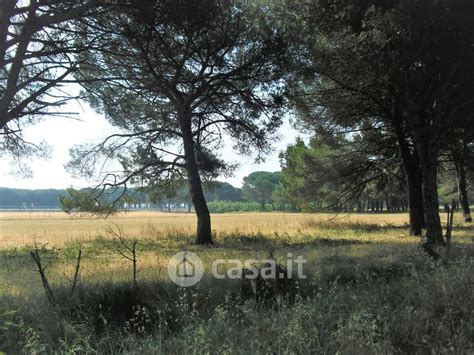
259 186
220 206
330 174
393 78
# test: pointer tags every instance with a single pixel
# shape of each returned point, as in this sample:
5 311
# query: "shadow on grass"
366 227
369 300
260 241
464 227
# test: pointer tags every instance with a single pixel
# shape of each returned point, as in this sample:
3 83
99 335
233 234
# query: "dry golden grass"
160 235
57 228
365 253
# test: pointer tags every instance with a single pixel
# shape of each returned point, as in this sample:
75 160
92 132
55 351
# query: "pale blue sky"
50 173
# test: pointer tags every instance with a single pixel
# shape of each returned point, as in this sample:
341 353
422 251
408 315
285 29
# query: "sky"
61 134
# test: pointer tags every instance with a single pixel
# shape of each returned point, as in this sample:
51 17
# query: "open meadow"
58 228
369 287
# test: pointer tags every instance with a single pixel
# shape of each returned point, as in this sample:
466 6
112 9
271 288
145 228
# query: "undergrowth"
369 305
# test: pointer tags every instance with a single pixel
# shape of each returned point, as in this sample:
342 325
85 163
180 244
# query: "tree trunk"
8 8
203 235
429 160
462 190
416 209
411 165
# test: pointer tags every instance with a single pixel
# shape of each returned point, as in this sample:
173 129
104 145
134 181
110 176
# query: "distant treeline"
23 198
50 198
261 191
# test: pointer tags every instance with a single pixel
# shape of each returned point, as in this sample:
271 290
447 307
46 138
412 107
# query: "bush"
234 206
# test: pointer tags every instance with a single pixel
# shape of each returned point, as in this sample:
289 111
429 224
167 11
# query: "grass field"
57 228
370 288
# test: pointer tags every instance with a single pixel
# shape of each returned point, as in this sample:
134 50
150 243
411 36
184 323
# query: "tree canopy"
260 185
38 54
178 79
372 64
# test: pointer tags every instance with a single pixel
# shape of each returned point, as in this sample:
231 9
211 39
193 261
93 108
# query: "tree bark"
5 16
415 200
428 154
462 190
412 167
203 234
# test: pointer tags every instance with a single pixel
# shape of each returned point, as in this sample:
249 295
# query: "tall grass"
425 308
370 290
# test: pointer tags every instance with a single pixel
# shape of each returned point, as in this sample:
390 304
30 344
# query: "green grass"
370 289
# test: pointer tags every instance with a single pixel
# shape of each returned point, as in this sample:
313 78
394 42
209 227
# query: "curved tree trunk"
203 234
462 190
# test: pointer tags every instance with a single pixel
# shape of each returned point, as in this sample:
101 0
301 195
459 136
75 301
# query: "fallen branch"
76 274
47 288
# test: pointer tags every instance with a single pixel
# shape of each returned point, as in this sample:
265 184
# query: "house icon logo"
185 269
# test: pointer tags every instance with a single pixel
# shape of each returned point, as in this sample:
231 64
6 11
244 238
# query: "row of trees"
386 86
260 189
17 198
289 190
394 82
331 175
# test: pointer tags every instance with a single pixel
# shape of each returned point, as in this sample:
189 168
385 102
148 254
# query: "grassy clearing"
57 228
369 289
